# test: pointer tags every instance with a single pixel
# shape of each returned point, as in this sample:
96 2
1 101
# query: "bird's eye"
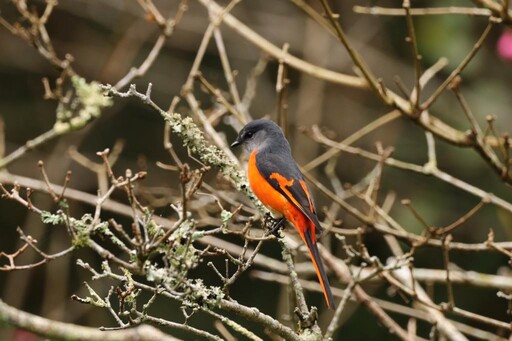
249 134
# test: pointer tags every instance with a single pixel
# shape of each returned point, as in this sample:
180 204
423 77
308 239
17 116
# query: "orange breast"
263 190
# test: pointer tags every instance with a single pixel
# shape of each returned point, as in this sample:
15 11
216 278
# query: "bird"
276 180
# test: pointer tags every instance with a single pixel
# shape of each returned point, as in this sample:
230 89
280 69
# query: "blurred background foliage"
106 38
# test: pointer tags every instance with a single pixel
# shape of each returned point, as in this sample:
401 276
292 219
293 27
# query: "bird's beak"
236 143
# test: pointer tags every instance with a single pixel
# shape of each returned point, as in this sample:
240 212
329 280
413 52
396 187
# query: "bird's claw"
276 224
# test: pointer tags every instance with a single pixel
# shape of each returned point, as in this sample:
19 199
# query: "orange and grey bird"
277 181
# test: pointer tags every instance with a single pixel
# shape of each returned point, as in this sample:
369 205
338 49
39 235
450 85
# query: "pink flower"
504 45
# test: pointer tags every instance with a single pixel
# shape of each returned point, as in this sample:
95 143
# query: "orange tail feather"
319 267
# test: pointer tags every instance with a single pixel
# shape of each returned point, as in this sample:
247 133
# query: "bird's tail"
319 267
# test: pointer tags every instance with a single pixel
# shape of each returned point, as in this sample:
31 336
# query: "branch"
276 52
67 331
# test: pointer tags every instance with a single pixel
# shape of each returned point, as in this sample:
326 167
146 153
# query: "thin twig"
456 72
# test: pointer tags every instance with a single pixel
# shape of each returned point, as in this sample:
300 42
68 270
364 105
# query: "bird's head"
257 134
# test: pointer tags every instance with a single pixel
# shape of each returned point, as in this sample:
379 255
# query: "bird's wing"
283 175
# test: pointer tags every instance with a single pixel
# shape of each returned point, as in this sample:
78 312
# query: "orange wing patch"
283 183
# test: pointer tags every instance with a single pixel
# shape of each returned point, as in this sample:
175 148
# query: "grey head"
261 134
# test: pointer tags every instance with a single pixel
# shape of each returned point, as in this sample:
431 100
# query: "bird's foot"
276 225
